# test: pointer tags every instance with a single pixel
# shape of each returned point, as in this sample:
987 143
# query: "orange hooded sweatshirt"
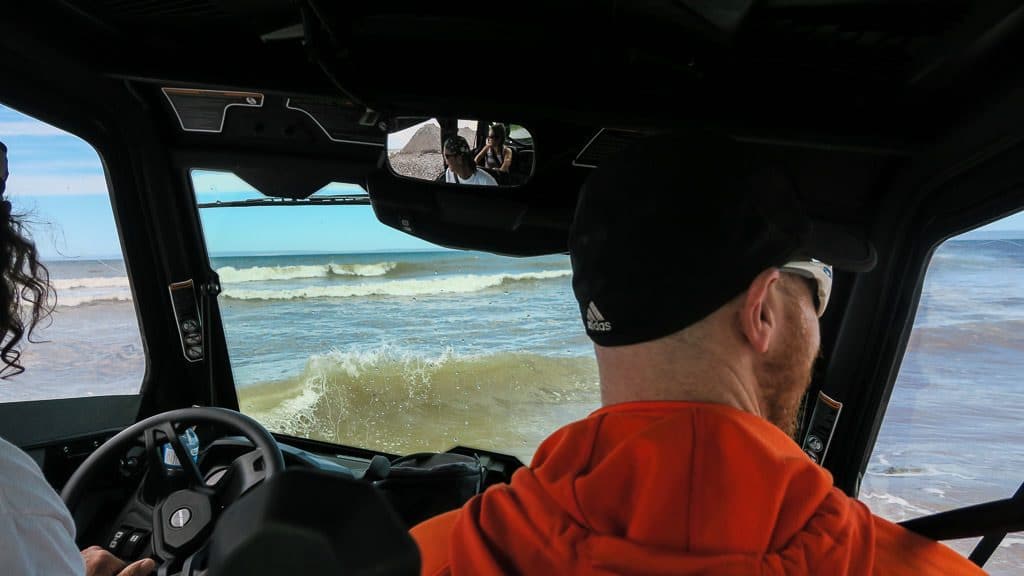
673 488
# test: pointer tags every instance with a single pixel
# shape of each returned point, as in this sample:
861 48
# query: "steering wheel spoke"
188 465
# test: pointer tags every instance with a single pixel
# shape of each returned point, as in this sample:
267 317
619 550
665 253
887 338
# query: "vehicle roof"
844 89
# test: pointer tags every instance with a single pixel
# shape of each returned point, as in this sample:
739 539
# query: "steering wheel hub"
183 519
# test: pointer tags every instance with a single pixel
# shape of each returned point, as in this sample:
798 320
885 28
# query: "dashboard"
417 486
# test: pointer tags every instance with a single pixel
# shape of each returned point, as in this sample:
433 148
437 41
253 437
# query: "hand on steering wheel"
181 520
99 562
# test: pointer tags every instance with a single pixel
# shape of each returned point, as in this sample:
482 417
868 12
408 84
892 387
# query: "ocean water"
90 345
405 352
952 432
413 351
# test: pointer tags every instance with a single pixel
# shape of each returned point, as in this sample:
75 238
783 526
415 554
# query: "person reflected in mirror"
461 167
37 534
495 156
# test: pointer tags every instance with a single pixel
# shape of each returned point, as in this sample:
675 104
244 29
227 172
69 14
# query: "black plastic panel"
190 323
822 426
288 526
42 422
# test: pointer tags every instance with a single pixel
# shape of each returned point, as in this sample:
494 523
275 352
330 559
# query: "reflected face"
459 164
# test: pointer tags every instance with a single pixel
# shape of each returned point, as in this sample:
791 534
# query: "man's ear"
759 315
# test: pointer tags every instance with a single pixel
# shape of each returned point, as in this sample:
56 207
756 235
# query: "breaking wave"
990 335
401 402
74 300
72 292
893 506
74 283
232 275
411 287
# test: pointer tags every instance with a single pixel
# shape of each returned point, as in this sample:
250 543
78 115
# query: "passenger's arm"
36 544
480 155
37 534
506 164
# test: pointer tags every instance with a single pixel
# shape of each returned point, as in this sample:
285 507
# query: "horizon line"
103 257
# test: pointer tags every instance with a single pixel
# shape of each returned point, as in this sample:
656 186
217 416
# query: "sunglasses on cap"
820 272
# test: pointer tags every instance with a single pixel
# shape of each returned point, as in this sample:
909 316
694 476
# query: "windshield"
342 329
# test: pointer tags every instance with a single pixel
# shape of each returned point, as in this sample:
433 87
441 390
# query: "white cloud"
29 128
62 185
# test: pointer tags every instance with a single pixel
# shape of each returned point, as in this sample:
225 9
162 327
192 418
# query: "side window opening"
951 433
91 344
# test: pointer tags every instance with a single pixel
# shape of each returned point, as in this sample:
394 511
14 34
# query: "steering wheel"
181 520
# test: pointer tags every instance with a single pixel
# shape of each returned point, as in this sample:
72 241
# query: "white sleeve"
37 535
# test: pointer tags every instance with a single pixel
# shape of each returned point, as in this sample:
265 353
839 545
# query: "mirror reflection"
458 151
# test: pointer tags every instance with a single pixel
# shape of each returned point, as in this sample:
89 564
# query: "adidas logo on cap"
595 321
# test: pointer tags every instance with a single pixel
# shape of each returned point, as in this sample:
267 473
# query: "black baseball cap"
678 225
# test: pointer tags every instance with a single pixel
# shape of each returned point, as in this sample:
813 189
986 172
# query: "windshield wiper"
339 199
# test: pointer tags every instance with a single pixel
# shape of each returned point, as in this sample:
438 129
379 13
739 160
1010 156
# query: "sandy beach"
425 166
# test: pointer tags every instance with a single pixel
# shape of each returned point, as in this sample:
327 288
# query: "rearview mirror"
461 152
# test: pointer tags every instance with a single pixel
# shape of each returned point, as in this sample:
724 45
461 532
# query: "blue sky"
59 181
290 229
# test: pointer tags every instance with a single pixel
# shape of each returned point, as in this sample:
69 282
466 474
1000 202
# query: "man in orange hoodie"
693 269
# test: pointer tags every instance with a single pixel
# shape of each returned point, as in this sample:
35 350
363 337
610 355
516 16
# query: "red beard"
786 375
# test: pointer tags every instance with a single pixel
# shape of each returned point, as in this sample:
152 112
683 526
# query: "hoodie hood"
668 488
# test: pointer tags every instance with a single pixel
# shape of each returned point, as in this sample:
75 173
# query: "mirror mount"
370 117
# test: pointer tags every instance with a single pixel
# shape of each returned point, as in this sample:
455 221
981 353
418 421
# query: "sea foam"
411 287
232 275
399 401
